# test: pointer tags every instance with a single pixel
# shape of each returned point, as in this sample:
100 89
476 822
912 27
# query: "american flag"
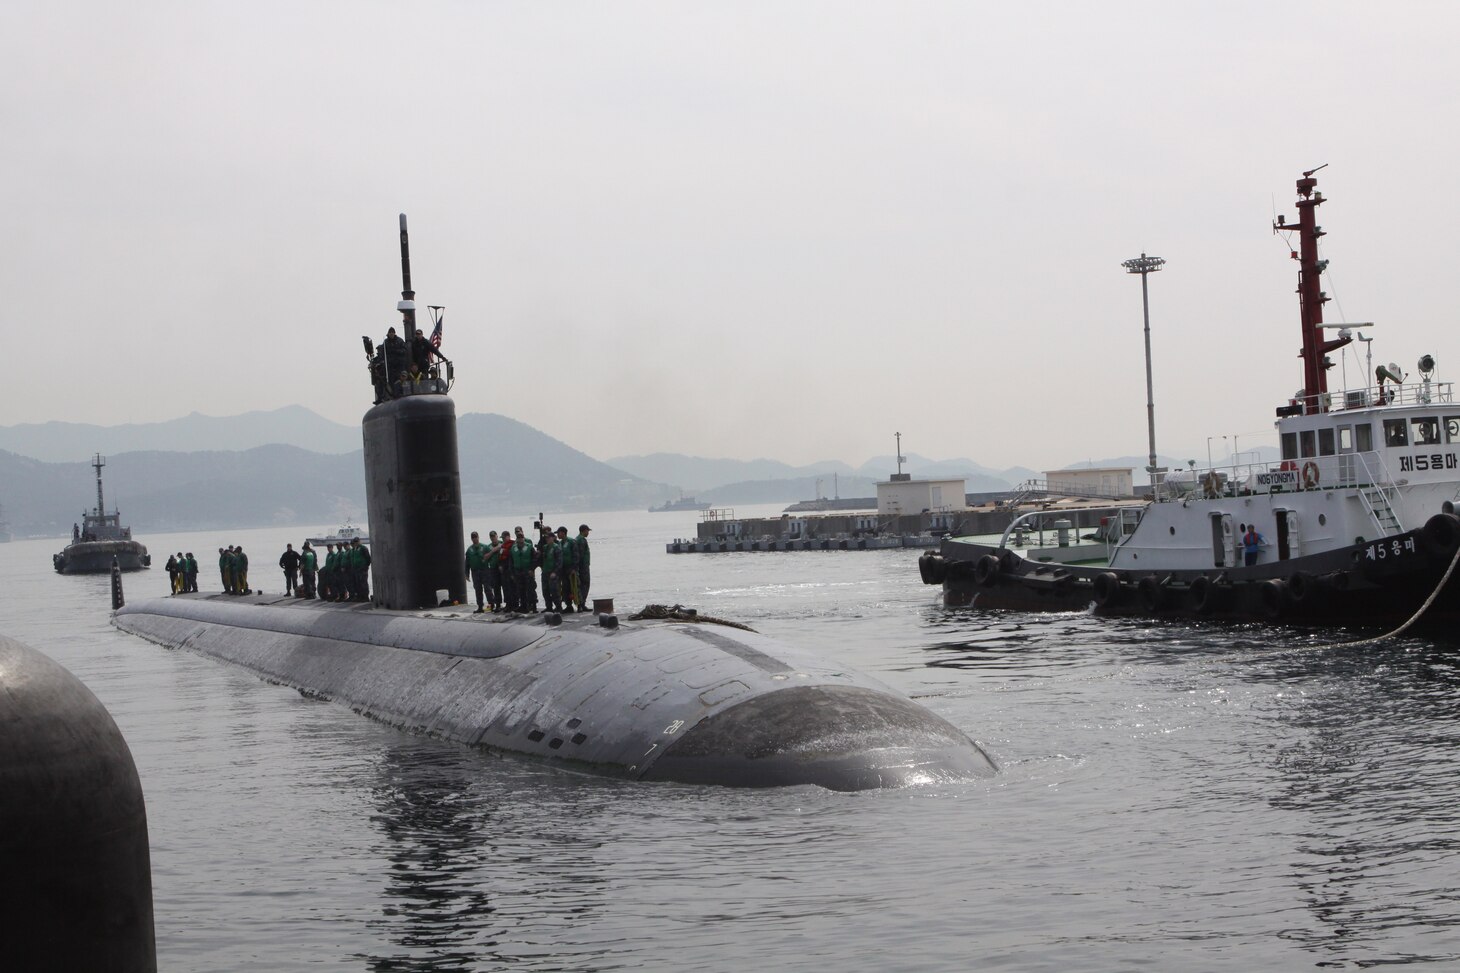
436 333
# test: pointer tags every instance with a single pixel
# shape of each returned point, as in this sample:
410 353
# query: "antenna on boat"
1311 297
98 461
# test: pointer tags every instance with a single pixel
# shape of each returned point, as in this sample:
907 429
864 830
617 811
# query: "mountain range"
292 466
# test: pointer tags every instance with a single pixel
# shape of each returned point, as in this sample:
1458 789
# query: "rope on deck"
679 613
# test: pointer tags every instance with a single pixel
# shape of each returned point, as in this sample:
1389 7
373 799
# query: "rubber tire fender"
1153 593
1272 597
1440 534
986 571
1201 595
1106 589
933 568
1303 587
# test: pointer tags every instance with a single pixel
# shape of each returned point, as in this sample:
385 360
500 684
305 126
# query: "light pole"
1145 265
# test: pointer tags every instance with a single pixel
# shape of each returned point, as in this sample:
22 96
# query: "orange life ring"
1310 475
1288 464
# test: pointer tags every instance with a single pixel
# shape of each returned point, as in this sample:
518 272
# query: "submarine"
675 699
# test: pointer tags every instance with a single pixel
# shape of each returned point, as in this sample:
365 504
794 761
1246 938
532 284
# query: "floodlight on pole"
1144 266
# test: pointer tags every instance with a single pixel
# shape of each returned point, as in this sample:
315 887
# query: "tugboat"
1355 525
99 538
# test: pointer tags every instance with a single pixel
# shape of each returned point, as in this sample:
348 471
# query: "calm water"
1170 797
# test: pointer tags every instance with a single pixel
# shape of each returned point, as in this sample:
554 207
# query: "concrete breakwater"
841 542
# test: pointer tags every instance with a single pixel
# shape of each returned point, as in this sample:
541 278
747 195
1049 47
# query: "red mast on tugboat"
1311 297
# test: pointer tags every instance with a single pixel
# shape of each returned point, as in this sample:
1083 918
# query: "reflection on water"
1369 762
1171 796
438 842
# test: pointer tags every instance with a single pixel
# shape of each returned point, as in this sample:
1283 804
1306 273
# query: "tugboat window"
1345 439
1364 437
1452 429
1395 433
1425 431
1305 439
1290 445
1325 442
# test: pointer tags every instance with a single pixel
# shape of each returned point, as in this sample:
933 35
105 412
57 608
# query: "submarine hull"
652 700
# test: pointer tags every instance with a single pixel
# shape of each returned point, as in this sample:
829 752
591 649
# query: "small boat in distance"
1354 523
346 533
99 538
683 503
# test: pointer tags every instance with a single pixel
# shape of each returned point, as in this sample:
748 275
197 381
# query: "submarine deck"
621 700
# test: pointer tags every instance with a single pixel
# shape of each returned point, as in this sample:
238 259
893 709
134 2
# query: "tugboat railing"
1120 512
1408 393
1379 493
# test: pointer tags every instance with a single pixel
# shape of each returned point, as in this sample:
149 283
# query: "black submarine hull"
651 700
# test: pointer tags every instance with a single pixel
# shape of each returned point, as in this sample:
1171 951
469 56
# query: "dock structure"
721 532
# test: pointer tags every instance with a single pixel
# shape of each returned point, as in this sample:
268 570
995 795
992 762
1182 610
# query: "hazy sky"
779 230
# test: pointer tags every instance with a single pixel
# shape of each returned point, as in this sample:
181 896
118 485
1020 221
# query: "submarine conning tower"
413 477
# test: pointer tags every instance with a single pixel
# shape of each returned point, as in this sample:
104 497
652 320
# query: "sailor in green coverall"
552 571
523 587
359 571
309 566
476 568
568 577
582 541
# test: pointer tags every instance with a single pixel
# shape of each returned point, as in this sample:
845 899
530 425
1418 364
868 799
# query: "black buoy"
78 882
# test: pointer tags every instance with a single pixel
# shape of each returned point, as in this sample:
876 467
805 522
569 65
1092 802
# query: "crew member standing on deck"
582 541
289 561
240 572
568 578
504 564
190 573
422 351
524 586
494 571
360 563
172 574
552 571
1251 545
476 569
395 359
309 564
